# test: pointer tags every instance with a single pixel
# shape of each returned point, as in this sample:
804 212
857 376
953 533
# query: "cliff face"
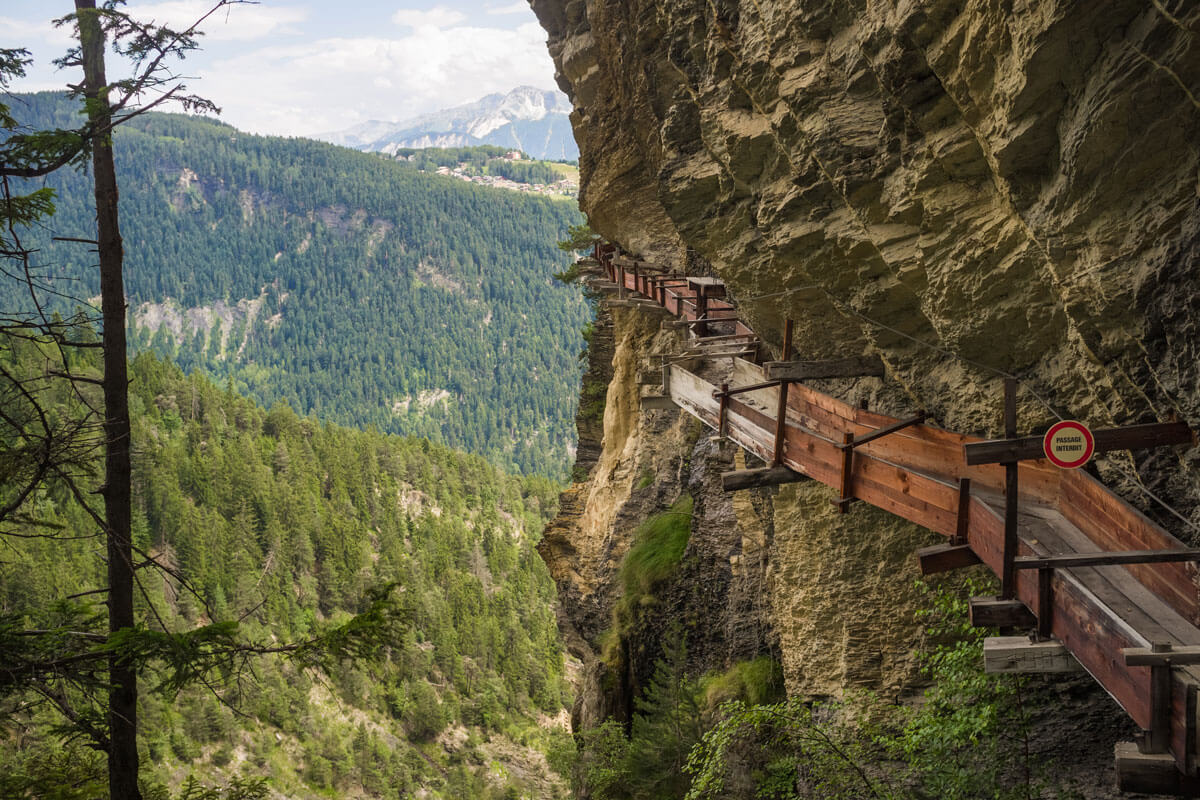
965 187
1014 182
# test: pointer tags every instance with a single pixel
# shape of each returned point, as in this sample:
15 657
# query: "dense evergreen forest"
479 160
346 284
286 522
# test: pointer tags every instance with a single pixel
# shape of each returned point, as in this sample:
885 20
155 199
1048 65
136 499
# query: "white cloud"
334 83
436 17
21 32
236 23
519 7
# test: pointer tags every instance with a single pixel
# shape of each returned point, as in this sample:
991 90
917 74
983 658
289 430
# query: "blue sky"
292 67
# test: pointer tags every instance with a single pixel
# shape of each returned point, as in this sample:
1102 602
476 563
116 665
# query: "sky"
301 67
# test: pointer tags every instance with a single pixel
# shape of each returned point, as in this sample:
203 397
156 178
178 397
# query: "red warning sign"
1069 444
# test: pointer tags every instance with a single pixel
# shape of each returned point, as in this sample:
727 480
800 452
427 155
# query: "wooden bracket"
856 367
1021 655
757 478
946 557
996 612
657 403
1151 773
1160 657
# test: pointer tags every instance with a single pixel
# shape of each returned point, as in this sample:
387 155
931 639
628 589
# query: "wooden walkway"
1105 615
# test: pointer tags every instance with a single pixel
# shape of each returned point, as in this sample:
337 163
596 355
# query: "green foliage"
971 731
579 237
283 526
296 253
658 545
784 750
968 739
758 681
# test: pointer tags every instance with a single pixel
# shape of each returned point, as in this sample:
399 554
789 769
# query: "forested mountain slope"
288 522
338 281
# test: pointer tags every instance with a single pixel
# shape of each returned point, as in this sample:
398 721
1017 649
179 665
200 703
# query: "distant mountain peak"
531 119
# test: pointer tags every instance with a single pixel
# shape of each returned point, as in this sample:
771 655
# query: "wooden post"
1158 737
724 410
1045 601
963 523
781 418
701 329
1008 575
843 502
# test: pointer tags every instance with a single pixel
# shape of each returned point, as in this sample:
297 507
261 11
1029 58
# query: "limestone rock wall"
1013 182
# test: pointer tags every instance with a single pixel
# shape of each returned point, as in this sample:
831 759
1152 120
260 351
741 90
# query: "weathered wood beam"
1176 656
857 367
756 478
1020 655
1070 560
945 557
1151 773
916 419
657 403
650 379
993 612
687 323
1130 437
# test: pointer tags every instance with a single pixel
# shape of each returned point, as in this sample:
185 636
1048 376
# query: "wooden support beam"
963 517
996 612
635 302
707 287
650 379
1019 655
857 367
917 419
657 403
751 387
1008 575
1070 560
723 413
847 493
1045 603
1131 437
687 323
1151 773
945 557
1177 656
781 406
727 337
756 478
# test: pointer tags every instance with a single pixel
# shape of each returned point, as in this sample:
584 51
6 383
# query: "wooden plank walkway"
915 472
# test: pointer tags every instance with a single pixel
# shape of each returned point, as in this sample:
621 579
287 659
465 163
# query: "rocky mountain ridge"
525 118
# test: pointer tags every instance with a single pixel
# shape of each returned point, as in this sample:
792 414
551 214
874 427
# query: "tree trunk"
122 698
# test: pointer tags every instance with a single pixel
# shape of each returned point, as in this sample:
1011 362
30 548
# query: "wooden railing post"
1045 602
724 410
1008 574
781 417
1158 738
963 522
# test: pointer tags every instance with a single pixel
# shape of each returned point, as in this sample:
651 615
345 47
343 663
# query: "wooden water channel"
1096 583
